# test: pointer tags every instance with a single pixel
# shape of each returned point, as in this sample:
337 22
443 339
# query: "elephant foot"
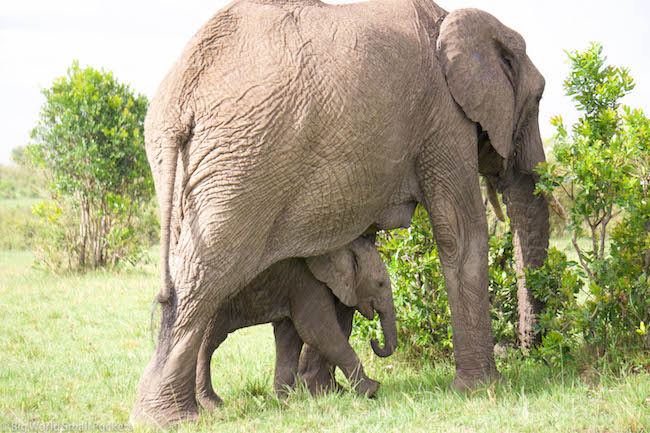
316 373
319 385
164 399
208 400
466 382
149 414
367 387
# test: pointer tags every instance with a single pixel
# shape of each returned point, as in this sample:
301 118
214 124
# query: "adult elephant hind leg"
166 392
457 215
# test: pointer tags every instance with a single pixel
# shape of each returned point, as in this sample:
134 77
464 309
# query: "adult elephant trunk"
529 223
389 328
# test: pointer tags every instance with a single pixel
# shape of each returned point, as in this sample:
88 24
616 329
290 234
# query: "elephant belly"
265 299
395 217
253 309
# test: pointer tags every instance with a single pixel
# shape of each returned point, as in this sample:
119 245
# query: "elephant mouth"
493 183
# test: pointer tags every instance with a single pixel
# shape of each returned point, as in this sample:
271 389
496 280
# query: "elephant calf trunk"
389 328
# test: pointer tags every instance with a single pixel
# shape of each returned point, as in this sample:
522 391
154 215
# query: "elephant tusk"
555 204
494 200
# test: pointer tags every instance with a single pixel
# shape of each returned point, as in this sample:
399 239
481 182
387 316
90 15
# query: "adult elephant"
289 128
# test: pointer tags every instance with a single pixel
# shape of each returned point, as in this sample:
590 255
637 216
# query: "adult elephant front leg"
452 197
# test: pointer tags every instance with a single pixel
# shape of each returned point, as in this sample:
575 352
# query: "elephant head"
357 276
497 86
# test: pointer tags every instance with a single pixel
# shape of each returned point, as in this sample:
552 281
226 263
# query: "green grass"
19 203
72 349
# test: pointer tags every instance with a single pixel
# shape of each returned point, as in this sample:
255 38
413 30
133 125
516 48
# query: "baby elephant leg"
314 316
315 371
288 345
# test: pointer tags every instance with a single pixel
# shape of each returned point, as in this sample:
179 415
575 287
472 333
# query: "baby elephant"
300 297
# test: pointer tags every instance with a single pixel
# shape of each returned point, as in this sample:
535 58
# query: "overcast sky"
139 40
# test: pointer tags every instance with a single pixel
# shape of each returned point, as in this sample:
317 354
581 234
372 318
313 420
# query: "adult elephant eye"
507 62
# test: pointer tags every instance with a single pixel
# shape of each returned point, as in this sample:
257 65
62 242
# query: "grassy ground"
73 348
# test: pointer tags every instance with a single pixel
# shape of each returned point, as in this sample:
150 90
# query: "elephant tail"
168 127
169 156
166 161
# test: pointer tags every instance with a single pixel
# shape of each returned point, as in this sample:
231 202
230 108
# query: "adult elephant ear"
338 270
479 57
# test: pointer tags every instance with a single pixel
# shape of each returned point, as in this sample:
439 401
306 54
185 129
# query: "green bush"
422 308
619 301
557 283
89 142
503 288
58 246
602 166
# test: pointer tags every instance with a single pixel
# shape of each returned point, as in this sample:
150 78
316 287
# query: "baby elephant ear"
338 270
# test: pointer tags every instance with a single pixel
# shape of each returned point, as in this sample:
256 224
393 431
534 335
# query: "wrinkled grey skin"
288 128
298 296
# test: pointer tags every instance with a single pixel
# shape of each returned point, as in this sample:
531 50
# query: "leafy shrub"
89 142
58 246
503 287
557 284
602 165
619 302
